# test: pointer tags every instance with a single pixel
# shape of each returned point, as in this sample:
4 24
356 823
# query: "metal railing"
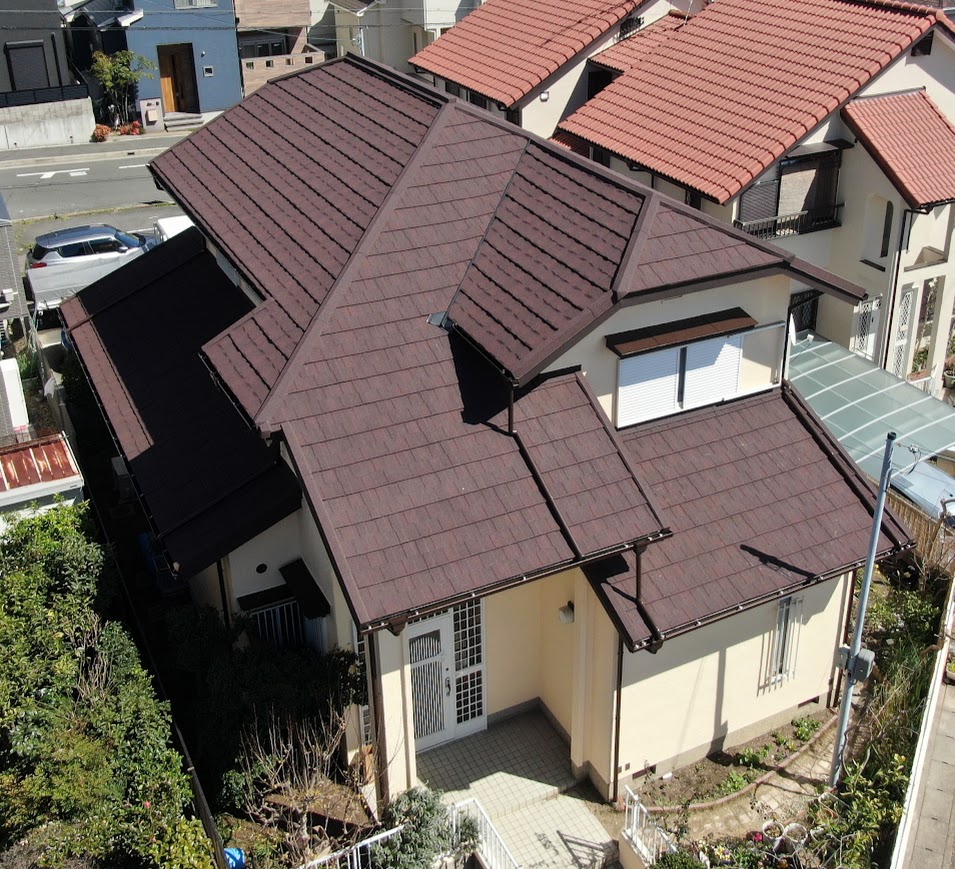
33 96
357 856
492 850
797 223
281 625
649 839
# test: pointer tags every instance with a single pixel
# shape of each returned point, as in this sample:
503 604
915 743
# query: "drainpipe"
616 725
510 409
657 642
226 614
382 782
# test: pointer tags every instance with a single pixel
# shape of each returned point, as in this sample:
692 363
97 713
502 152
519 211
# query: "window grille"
469 660
629 26
281 625
196 4
785 641
361 650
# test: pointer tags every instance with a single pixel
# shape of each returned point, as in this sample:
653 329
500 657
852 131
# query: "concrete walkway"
931 843
520 772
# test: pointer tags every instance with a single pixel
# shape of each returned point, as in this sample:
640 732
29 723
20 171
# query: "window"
477 100
886 230
655 380
629 26
784 645
513 116
804 309
106 245
452 88
468 661
195 4
877 231
27 65
79 248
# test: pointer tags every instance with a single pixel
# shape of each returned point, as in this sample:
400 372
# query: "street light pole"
858 663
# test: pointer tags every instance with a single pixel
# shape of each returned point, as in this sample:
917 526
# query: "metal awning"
860 403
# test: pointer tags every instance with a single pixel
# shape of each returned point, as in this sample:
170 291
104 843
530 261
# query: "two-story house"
392 33
192 44
517 425
823 125
528 61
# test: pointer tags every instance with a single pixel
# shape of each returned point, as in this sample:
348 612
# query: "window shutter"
712 370
648 386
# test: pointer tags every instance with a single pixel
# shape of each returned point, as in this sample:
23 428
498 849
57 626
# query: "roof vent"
440 319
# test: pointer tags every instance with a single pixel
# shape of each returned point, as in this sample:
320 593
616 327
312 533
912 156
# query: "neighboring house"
274 38
40 102
824 125
392 33
529 60
513 424
191 42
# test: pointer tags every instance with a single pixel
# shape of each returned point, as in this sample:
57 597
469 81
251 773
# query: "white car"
63 262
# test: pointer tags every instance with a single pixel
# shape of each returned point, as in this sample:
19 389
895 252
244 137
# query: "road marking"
46 176
134 166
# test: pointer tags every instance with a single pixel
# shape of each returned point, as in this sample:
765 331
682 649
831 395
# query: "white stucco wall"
69 122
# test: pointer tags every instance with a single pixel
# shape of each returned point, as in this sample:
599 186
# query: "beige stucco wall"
557 649
512 634
708 685
765 299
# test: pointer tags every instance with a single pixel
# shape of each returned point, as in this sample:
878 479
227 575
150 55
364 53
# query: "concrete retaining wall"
64 123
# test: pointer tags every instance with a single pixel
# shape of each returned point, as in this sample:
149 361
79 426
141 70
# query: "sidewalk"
931 843
149 143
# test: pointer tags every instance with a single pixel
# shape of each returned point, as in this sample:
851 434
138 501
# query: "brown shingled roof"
688 113
911 140
505 48
761 501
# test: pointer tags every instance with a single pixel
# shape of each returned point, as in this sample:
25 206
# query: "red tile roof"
911 140
629 51
757 497
505 48
715 104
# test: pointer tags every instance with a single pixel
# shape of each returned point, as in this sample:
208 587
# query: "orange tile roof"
505 48
627 52
742 82
911 140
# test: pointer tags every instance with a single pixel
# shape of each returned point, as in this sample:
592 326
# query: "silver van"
64 261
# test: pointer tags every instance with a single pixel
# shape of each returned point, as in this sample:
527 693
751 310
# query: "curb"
113 209
722 801
87 156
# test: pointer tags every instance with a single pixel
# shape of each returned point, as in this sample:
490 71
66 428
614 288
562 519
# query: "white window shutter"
648 386
712 370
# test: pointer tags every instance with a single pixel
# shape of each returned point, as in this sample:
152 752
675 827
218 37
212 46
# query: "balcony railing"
798 223
33 96
281 625
649 839
358 856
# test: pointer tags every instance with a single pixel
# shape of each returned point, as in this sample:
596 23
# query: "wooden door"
177 77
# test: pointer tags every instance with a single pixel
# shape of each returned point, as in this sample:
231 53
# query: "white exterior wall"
705 689
764 299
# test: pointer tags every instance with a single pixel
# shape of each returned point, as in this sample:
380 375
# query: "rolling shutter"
648 386
712 370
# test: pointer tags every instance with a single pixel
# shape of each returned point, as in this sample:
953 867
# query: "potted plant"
949 675
948 373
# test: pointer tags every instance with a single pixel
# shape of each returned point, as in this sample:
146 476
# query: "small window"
106 245
79 248
477 100
887 229
629 26
784 647
269 64
694 199
208 71
513 116
452 88
924 46
804 310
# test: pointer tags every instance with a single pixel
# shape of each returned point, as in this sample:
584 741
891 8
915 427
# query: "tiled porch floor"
518 769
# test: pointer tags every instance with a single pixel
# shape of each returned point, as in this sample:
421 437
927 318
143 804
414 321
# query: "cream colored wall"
765 299
557 650
395 738
204 588
512 633
708 684
274 548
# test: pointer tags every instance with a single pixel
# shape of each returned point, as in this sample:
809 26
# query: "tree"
119 75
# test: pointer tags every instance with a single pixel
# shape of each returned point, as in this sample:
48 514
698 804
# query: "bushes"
86 768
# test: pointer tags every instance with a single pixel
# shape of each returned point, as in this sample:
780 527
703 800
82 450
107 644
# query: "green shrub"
426 834
679 860
734 783
754 757
805 728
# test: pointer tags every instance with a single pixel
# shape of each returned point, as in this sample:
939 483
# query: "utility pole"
856 661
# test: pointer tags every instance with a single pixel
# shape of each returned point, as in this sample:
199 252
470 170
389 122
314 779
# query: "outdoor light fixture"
545 96
566 613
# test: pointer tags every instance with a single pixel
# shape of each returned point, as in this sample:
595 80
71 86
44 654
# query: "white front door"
431 654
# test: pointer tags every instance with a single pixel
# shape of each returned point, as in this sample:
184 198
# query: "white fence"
358 856
647 836
492 850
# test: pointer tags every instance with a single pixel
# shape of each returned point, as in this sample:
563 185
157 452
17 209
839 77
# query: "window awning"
679 332
299 584
861 403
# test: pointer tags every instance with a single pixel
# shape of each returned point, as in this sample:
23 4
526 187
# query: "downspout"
845 641
510 409
657 642
226 613
616 724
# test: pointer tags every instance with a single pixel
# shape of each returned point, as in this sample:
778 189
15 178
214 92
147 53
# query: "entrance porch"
520 771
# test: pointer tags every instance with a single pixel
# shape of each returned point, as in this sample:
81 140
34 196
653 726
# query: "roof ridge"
638 239
354 263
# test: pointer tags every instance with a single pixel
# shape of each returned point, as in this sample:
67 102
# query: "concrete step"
559 833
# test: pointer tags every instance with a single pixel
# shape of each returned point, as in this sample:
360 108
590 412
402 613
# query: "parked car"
64 261
167 227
